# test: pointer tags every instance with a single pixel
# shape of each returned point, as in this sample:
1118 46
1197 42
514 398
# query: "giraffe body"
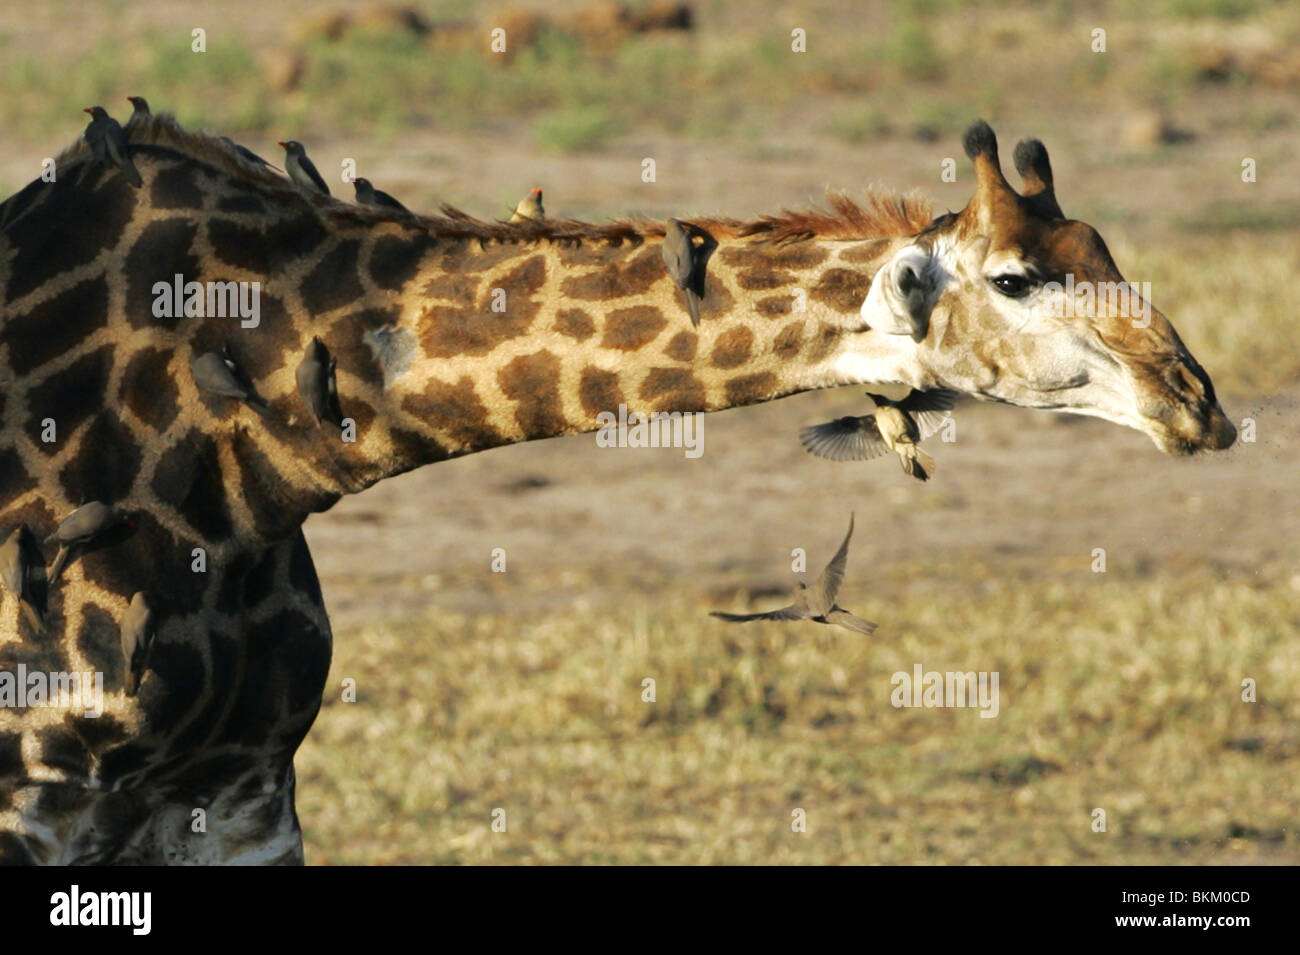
447 336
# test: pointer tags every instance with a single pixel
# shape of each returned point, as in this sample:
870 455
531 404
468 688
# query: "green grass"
1118 692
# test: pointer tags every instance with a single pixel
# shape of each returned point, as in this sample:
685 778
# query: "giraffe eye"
1012 285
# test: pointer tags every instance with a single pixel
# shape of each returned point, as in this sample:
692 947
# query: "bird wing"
677 254
821 595
309 168
930 409
839 615
785 613
844 439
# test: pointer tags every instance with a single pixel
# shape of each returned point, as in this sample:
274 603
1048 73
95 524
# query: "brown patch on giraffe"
456 411
717 301
62 751
673 389
774 306
163 251
46 248
56 326
245 203
590 252
534 382
394 260
575 323
618 280
844 290
682 346
105 464
824 342
174 187
789 340
760 280
274 508
413 448
148 390
732 348
627 329
335 281
865 252
13 473
768 256
598 390
69 397
457 287
188 477
749 389
263 249
459 331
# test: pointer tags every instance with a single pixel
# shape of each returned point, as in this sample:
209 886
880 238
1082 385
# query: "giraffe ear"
903 293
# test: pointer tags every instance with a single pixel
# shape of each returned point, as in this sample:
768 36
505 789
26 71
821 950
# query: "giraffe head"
1010 301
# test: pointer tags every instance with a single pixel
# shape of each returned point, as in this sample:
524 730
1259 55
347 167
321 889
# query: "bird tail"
917 464
132 174
60 559
33 615
693 306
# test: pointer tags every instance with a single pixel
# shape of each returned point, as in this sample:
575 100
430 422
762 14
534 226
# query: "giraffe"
197 765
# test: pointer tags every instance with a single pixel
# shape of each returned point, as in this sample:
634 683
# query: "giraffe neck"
485 345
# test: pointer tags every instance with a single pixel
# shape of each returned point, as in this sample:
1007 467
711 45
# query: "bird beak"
86 110
283 145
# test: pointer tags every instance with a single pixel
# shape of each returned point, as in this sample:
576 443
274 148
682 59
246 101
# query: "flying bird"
816 603
686 261
317 385
220 375
137 640
301 169
139 112
368 195
108 146
892 426
15 569
80 528
529 208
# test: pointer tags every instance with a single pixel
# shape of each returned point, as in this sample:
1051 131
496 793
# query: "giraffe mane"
882 213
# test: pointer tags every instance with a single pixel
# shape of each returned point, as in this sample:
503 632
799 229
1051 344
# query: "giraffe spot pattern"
748 389
395 259
843 290
732 348
163 251
108 458
598 390
334 281
575 323
866 251
773 306
682 346
46 248
534 382
57 326
460 331
618 280
148 390
69 397
673 389
174 187
788 341
188 477
456 411
628 329
796 256
759 280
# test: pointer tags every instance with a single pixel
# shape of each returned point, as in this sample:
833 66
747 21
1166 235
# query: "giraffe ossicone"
229 664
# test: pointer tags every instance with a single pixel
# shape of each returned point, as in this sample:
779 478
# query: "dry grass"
1117 691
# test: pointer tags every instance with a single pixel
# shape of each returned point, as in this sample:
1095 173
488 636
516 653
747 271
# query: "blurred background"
523 690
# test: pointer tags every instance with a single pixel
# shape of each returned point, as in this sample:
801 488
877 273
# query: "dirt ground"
1032 491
